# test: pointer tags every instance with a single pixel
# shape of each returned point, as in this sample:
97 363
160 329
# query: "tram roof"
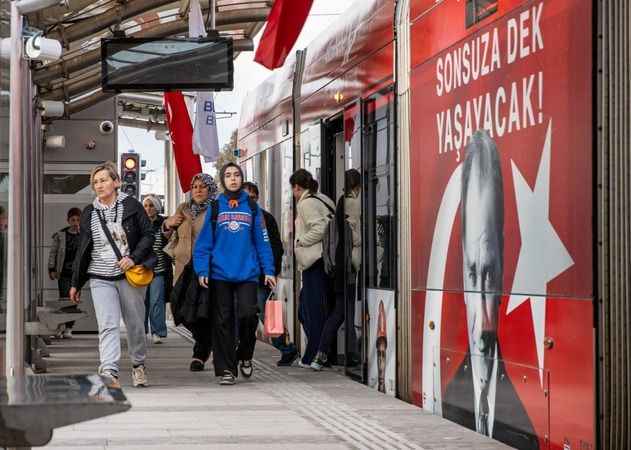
80 25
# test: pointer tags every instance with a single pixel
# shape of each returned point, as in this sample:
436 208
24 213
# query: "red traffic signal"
130 176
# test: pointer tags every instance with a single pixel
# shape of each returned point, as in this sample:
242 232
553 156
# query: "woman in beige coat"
185 225
314 212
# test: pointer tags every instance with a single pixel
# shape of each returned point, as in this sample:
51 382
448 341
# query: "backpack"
214 213
329 240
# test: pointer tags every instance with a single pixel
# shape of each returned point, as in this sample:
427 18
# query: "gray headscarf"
155 200
208 181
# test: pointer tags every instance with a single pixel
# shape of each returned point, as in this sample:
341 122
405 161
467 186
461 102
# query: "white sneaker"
156 339
139 376
68 333
302 365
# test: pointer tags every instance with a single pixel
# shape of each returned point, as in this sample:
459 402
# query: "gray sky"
247 75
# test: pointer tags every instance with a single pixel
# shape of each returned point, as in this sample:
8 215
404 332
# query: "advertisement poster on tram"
502 223
382 346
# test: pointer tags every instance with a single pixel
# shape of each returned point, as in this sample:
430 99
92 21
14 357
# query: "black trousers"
226 354
64 284
202 333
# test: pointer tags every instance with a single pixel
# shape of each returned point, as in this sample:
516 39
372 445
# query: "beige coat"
311 221
180 246
352 209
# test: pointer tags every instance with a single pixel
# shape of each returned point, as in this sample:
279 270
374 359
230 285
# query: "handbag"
138 275
273 323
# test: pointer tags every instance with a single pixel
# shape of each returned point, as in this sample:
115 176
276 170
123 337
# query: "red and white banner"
284 24
181 132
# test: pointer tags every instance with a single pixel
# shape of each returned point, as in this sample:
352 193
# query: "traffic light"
130 174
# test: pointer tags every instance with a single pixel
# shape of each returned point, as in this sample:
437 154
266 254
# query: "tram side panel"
502 223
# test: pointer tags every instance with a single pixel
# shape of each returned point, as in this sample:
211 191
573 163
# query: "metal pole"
15 234
213 13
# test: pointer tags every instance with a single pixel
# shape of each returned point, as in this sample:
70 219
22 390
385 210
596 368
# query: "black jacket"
274 239
189 301
140 237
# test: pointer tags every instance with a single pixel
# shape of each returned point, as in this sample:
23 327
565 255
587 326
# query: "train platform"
277 408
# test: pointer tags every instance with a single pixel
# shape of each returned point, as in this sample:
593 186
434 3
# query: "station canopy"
81 24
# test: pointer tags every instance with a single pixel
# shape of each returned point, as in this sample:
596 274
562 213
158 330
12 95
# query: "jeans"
155 308
312 308
113 299
281 343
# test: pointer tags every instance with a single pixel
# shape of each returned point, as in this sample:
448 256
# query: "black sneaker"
227 379
288 359
246 368
197 366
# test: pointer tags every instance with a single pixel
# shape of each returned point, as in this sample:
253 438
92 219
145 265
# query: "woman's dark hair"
222 174
305 180
252 187
352 180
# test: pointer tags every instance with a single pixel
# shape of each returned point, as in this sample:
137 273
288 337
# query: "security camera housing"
106 127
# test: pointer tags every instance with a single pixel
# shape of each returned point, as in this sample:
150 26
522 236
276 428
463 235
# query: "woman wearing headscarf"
185 225
233 250
155 300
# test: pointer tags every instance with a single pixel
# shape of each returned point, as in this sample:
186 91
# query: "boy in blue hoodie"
233 250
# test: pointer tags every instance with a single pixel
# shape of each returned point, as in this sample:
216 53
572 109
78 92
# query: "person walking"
60 261
314 212
347 263
114 224
231 253
157 292
183 228
288 349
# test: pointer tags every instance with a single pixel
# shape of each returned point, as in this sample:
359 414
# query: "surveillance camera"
106 127
43 49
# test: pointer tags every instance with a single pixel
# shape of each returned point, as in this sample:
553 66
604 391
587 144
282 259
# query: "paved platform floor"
278 408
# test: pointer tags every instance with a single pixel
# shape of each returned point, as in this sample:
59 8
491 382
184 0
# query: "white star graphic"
542 256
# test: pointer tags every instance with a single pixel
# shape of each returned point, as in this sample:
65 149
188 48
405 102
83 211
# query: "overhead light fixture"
29 6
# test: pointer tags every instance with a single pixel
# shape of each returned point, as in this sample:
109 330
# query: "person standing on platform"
314 212
288 350
114 219
347 264
60 260
157 292
183 228
231 253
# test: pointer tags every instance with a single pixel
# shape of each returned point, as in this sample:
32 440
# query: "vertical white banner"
205 140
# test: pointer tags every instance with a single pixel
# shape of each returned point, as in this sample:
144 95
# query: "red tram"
473 124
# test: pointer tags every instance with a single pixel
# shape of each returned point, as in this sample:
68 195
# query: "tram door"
379 240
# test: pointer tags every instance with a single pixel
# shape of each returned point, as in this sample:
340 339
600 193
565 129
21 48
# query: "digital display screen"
132 64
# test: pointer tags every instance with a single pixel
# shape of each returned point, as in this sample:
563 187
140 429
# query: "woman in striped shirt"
155 300
97 261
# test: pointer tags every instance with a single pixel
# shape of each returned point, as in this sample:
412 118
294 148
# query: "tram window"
66 183
477 10
380 230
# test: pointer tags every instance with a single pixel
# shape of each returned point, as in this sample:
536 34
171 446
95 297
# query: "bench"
31 407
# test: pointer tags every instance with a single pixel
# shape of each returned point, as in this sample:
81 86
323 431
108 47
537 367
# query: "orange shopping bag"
273 322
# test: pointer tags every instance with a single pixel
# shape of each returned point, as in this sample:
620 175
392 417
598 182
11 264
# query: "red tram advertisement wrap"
502 268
